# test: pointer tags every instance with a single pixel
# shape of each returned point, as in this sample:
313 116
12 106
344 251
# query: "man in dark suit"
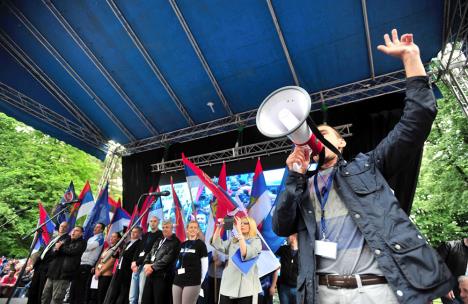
120 285
42 266
64 266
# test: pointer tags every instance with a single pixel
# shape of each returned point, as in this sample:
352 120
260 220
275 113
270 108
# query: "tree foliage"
35 166
440 207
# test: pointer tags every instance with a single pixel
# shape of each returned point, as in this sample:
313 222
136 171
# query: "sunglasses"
245 223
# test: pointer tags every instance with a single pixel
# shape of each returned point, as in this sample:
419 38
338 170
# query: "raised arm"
409 134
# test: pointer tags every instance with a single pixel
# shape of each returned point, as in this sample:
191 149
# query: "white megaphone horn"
284 113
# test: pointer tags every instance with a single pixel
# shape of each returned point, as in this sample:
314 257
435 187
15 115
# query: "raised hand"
405 49
399 47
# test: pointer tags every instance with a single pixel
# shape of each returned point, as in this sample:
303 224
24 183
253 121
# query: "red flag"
180 227
134 216
222 178
146 205
44 237
225 203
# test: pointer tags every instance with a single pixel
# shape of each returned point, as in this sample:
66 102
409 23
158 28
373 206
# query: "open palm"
399 47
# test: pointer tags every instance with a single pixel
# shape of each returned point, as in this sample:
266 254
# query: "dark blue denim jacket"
413 269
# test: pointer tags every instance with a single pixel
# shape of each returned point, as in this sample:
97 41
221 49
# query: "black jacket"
163 257
125 261
65 264
43 264
146 245
455 255
413 269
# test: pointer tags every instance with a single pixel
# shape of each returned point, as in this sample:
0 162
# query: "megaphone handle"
297 167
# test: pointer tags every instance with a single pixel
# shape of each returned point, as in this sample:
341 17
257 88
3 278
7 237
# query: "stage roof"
141 73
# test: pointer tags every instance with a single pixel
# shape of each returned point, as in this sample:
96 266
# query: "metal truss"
50 117
451 65
283 42
384 84
149 60
45 81
267 148
67 67
200 56
79 41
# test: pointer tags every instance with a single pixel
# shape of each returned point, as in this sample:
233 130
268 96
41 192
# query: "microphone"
161 193
70 203
22 209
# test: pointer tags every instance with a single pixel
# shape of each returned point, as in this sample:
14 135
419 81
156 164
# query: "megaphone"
284 113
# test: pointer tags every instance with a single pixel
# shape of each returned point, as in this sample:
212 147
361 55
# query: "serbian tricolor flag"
267 262
86 203
99 214
179 224
260 200
43 238
120 220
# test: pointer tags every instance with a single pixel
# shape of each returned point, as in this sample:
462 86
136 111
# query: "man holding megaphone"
356 245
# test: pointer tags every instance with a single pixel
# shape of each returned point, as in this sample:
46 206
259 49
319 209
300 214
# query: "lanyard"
322 196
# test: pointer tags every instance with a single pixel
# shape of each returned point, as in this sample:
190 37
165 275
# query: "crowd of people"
156 267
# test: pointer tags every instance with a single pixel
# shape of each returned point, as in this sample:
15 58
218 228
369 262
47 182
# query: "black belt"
349 281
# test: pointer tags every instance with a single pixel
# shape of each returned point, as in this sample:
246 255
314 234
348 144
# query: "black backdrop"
371 120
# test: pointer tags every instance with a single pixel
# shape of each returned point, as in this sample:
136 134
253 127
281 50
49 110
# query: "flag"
179 220
267 261
194 182
120 220
68 196
146 205
43 238
86 203
272 239
222 177
156 209
260 200
99 214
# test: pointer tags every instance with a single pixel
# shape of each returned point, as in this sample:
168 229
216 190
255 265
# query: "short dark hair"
102 225
80 227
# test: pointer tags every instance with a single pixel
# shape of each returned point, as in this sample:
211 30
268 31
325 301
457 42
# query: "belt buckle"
328 283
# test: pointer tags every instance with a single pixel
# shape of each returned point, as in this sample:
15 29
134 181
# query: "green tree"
35 166
440 207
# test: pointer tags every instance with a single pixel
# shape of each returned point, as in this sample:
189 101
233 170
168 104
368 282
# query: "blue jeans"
287 294
136 286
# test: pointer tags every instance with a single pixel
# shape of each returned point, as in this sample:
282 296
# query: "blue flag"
68 196
99 213
271 238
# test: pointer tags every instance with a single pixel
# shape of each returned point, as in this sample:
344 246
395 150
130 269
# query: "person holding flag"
240 282
103 271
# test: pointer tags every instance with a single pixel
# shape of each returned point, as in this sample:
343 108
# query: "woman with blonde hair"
239 286
191 267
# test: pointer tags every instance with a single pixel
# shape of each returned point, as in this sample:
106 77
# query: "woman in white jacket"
238 287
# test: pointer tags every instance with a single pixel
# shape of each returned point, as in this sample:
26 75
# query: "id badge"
326 249
181 271
142 253
153 258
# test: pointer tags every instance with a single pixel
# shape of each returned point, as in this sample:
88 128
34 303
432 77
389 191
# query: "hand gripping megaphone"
284 113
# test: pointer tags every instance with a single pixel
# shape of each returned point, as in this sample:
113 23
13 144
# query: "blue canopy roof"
90 71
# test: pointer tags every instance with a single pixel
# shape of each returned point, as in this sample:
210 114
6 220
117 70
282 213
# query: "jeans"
287 294
136 286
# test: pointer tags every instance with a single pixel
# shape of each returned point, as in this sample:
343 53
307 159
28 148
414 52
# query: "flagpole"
23 268
110 252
